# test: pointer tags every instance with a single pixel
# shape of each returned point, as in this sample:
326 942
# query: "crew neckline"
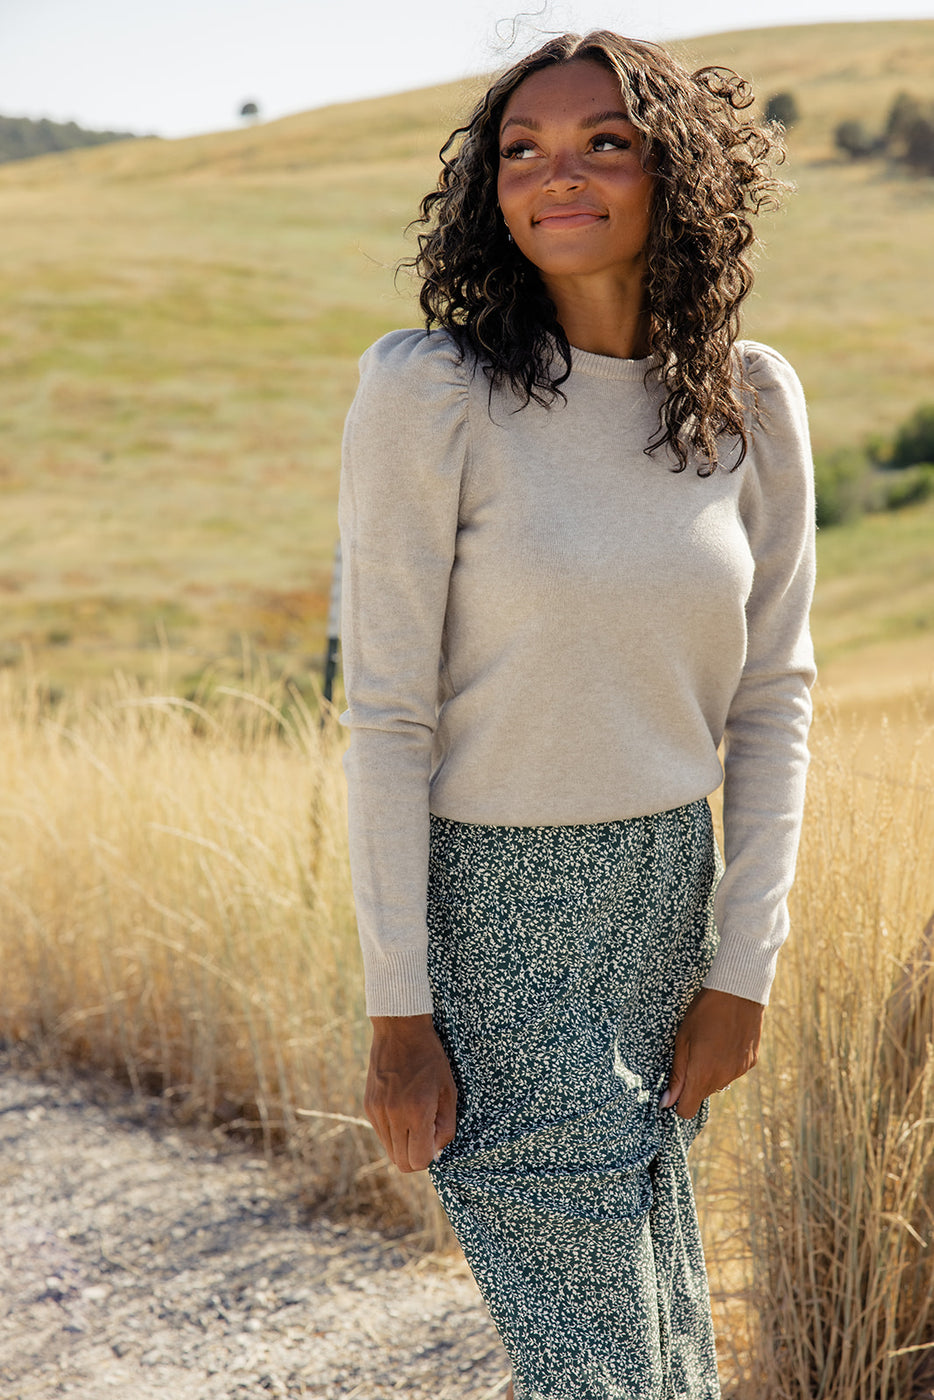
609 366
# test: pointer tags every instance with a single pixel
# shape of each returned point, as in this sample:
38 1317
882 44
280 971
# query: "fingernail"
665 1099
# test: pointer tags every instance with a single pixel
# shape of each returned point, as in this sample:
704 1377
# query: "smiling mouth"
569 217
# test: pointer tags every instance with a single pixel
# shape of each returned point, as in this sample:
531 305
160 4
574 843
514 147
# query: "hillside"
179 351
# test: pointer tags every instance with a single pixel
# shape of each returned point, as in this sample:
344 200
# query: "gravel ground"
143 1262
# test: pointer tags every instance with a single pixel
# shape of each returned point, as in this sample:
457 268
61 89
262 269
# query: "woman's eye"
519 150
611 143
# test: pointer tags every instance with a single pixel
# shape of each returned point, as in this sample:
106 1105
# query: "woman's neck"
604 317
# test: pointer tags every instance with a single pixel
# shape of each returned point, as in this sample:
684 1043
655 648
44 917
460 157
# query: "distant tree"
21 138
855 141
782 107
250 112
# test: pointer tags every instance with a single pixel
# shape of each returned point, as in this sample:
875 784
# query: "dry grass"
818 1181
175 908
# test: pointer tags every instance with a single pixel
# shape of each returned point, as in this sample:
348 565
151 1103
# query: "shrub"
919 145
910 486
856 141
903 112
914 441
843 484
782 107
907 136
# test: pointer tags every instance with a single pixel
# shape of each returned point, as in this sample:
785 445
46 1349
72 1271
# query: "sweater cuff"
743 968
397 983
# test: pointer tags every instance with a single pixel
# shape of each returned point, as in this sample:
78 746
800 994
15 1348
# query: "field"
179 348
182 323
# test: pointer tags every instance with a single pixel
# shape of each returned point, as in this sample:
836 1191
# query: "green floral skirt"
562 960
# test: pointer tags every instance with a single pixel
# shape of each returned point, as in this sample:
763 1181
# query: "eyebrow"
596 120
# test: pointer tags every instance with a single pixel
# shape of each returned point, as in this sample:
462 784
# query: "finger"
445 1119
392 1130
676 1080
380 1127
419 1144
697 1087
689 1102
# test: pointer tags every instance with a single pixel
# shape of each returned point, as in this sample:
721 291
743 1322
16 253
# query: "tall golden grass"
837 1126
175 908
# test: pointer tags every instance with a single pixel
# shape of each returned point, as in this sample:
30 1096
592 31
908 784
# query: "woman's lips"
568 216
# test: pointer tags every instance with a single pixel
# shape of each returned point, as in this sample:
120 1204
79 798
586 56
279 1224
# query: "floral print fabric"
562 960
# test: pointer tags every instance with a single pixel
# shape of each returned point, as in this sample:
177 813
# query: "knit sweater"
544 626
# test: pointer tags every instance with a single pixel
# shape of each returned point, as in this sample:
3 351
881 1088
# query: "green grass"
876 584
182 321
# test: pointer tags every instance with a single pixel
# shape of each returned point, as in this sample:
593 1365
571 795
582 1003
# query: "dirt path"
138 1263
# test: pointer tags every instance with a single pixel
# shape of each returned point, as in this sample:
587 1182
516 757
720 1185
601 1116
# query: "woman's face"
571 184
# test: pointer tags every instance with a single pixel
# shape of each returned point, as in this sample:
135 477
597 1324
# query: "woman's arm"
405 446
765 738
765 745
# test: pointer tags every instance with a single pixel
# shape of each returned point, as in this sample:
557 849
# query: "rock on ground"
139 1262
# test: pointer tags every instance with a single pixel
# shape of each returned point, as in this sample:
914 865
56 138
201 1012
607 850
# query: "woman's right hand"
410 1093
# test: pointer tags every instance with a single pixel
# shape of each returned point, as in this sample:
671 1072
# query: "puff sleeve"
404 454
765 740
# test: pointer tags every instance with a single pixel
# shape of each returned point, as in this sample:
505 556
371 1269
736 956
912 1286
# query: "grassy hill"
183 318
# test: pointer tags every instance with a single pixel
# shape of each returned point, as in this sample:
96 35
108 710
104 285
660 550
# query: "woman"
578 530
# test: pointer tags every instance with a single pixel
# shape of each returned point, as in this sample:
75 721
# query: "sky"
177 67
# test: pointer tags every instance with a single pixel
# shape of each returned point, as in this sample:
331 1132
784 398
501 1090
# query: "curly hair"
712 171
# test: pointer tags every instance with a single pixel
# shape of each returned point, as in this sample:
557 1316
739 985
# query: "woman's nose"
564 172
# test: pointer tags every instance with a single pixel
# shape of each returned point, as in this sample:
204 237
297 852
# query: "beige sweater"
544 626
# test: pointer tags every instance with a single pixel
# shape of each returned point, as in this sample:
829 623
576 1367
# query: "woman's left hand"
718 1041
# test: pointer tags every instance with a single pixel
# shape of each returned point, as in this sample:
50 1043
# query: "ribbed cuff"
742 968
397 983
